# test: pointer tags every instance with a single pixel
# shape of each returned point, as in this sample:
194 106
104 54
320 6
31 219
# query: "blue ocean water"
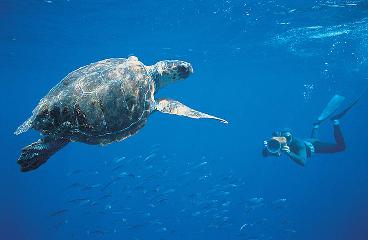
262 65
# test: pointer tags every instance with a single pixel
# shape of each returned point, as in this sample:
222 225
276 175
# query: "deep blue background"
241 73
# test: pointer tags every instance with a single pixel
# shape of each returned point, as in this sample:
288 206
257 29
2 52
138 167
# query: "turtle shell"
99 103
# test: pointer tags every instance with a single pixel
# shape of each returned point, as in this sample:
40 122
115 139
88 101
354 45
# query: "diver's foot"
336 121
337 117
316 124
342 113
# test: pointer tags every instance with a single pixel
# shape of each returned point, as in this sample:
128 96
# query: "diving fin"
174 107
330 109
350 106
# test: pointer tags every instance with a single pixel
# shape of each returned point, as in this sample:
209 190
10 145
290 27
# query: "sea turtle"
101 103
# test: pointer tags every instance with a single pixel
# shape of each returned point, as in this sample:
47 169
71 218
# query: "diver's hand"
265 144
285 149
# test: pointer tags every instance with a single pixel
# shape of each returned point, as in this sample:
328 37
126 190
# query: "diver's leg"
339 138
323 147
314 133
339 146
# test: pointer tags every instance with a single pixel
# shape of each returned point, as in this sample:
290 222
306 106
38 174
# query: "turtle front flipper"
39 152
174 107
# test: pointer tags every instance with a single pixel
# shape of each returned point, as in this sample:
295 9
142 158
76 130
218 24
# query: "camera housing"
275 144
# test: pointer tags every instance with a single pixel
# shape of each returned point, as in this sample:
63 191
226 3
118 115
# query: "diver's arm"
300 157
264 150
297 158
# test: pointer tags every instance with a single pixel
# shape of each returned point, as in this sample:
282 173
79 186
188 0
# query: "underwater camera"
275 144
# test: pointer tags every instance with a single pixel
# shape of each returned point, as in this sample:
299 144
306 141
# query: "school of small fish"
167 198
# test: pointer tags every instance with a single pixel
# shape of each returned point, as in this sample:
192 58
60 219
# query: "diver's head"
287 133
276 134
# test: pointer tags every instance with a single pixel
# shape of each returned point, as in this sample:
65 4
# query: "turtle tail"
39 152
24 127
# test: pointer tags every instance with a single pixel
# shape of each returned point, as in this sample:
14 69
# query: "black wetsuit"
323 147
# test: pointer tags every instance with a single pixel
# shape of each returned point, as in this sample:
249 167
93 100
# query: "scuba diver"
299 150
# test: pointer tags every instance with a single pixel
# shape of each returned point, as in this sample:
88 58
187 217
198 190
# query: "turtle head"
169 71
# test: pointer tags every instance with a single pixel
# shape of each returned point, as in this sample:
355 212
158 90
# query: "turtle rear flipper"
174 107
39 152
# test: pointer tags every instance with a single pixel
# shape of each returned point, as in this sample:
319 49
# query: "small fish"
118 167
195 214
92 204
91 187
58 213
290 230
80 201
149 177
225 219
111 182
135 226
162 229
149 167
162 200
226 178
231 185
126 174
156 222
261 221
97 232
152 205
226 204
120 221
108 207
74 185
118 213
61 223
279 203
150 157
202 178
120 159
281 200
185 174
255 200
139 188
224 193
103 197
108 184
74 172
200 165
169 191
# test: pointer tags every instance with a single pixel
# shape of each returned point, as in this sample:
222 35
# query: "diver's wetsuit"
323 147
301 149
